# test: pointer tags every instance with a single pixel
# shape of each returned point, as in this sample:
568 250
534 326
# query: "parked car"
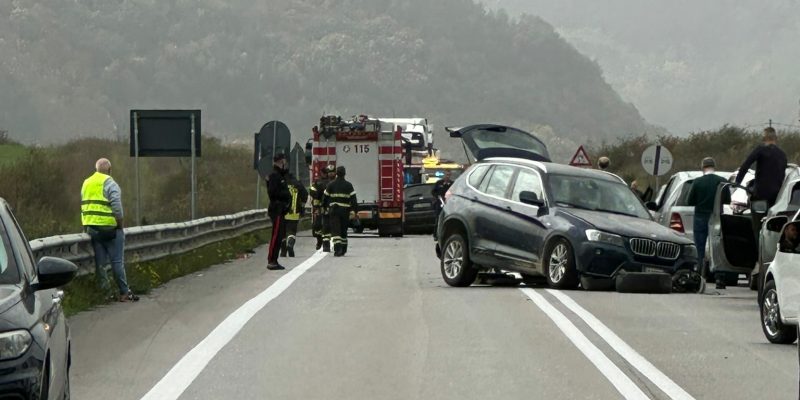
420 215
488 140
566 224
780 306
733 246
34 336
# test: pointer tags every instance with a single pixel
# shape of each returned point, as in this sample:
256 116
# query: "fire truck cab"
372 154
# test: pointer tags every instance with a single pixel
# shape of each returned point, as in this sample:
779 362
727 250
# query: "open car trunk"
486 141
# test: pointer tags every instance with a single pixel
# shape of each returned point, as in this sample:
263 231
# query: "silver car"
671 209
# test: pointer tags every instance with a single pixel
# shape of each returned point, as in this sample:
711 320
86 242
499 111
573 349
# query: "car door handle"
58 296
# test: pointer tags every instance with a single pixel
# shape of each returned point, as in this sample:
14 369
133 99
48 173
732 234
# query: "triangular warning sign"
581 158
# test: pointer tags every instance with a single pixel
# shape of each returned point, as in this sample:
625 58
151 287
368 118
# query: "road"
381 324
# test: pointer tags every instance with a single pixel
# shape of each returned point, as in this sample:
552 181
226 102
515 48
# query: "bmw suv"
553 222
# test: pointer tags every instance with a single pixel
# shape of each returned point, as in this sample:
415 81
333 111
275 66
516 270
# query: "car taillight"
676 223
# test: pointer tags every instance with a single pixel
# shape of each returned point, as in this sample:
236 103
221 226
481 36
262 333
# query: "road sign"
581 158
657 160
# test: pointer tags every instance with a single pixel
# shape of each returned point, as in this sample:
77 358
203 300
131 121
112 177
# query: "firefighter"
321 223
296 211
340 197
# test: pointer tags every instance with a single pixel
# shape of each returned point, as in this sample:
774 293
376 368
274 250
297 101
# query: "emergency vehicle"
417 145
372 154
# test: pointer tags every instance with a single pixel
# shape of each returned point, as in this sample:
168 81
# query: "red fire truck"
372 155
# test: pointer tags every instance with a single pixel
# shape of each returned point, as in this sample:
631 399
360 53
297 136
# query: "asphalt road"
381 324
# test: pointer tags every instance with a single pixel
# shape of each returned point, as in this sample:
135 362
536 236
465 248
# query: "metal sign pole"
136 161
194 183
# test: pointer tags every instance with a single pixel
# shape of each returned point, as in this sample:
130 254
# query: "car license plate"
647 268
421 205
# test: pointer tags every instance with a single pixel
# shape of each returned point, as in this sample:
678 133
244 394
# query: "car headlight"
604 237
14 344
690 250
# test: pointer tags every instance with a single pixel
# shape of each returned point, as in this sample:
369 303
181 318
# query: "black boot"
344 249
326 246
283 248
337 250
720 278
319 242
290 246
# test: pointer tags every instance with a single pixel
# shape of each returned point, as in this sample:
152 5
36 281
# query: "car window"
595 194
527 180
662 197
9 273
476 176
22 252
499 180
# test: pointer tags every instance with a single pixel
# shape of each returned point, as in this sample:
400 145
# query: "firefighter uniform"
341 198
296 210
321 223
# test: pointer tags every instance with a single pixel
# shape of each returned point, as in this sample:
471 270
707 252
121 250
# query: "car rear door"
492 217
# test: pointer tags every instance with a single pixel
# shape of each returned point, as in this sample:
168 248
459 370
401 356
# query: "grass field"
11 152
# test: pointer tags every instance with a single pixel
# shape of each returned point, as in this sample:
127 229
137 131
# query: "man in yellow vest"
296 211
101 217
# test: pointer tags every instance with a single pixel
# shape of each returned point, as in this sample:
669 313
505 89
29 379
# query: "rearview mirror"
651 205
775 224
54 272
531 198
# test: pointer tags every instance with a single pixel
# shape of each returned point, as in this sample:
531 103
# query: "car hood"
628 226
9 296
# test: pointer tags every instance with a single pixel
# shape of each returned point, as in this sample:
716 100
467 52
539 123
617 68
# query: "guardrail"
151 242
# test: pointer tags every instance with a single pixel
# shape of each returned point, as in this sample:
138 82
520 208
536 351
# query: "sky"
688 65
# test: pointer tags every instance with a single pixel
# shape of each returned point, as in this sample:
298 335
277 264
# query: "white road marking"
627 352
175 382
621 382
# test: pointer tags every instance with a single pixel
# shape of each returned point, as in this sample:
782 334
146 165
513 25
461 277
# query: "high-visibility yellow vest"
95 207
294 210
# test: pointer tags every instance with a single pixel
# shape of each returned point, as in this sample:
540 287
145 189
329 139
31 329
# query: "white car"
780 304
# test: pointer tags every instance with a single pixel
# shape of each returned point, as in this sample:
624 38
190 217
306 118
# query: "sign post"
657 161
581 159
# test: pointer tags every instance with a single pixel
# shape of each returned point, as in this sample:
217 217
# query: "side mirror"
531 198
775 224
54 272
759 207
651 205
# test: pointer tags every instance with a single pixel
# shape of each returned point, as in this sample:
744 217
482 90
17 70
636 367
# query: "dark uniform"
279 201
321 224
341 198
296 211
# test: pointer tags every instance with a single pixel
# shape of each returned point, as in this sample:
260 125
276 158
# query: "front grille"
643 247
668 250
651 248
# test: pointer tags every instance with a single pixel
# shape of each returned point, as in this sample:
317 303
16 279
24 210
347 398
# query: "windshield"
504 138
596 195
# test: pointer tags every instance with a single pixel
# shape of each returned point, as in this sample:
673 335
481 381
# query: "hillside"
75 68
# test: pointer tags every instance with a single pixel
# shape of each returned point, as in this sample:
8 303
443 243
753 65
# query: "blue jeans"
701 237
111 251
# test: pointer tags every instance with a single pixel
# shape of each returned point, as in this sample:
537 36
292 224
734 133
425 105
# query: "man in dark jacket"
340 197
770 163
701 197
321 224
439 189
293 215
279 200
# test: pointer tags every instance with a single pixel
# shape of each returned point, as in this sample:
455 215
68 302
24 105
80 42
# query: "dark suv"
566 224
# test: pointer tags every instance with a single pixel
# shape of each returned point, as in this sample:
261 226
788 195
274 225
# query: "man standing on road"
701 197
101 217
770 163
321 228
279 201
296 211
439 189
340 197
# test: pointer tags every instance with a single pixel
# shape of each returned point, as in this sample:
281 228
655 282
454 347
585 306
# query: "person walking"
296 211
279 202
102 219
340 197
701 197
321 223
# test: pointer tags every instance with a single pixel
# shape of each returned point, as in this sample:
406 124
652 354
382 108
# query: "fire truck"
372 154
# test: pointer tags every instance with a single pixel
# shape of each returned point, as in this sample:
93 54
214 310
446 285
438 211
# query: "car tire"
774 329
457 269
633 282
595 284
559 265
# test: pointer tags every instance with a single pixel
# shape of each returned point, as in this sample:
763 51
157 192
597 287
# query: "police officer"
279 201
321 222
296 211
341 198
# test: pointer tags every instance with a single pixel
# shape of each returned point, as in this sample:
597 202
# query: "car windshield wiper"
616 212
572 205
